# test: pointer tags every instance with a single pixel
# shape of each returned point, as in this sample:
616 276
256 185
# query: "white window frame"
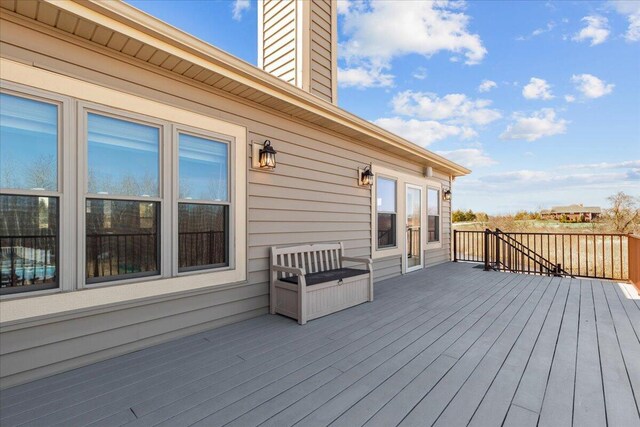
231 169
65 169
434 185
395 181
76 91
163 198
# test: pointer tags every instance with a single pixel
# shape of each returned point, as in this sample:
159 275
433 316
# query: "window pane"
434 228
386 195
203 235
122 239
386 230
28 243
433 202
203 168
28 143
123 157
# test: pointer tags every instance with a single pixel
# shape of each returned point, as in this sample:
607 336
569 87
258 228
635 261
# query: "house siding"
311 197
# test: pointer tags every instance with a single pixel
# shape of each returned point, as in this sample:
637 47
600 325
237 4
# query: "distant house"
578 213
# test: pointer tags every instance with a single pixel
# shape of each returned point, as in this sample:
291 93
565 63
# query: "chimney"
298 42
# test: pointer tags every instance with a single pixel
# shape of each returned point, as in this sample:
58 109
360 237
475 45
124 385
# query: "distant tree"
462 216
624 214
482 217
457 216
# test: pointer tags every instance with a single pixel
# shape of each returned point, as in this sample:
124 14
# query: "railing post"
497 260
486 250
455 245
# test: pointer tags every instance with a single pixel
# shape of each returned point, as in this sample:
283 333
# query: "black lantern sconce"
267 156
446 195
365 176
263 156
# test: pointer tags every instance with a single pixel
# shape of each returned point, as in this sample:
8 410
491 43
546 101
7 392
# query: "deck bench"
311 281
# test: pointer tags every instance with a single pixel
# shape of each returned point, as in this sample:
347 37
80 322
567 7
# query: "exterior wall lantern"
365 176
263 156
446 195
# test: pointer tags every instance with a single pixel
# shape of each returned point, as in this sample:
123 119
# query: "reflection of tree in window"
203 227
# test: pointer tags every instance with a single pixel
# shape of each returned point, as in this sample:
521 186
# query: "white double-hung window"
204 205
101 187
30 192
123 200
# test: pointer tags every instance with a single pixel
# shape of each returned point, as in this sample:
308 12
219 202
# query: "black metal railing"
28 261
121 254
594 255
202 248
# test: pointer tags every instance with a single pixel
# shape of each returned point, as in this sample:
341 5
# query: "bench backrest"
313 258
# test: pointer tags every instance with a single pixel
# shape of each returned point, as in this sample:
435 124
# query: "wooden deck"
448 346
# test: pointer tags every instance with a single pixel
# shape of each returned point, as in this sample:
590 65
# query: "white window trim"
69 87
163 197
375 198
402 179
175 180
434 185
423 224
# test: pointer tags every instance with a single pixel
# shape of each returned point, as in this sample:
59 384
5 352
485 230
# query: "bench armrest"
359 260
293 270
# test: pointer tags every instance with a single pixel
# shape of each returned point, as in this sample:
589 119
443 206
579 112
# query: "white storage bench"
310 281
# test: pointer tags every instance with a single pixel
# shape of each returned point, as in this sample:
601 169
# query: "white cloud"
487 85
540 124
364 77
378 31
420 73
455 108
591 86
569 98
630 9
537 89
469 157
588 183
538 31
239 7
635 164
424 132
596 30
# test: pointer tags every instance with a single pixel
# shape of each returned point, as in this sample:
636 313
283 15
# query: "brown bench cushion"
326 276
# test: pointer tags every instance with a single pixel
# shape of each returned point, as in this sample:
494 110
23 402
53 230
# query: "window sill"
53 305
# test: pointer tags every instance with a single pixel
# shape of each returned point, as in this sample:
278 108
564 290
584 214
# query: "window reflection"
122 239
123 157
202 236
28 144
203 169
28 243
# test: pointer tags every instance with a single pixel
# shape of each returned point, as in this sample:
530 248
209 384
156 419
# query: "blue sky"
540 99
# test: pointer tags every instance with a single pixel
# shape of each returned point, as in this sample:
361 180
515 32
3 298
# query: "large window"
203 205
123 190
433 215
122 204
386 203
29 211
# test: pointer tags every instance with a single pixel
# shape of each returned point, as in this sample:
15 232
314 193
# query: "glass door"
413 244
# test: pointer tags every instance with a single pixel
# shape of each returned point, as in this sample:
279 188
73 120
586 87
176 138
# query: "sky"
541 99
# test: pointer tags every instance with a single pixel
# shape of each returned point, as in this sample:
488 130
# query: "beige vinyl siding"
435 256
312 196
321 44
279 39
386 268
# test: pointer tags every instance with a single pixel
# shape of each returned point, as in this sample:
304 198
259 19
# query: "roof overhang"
123 28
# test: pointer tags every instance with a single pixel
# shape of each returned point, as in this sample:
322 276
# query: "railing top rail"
564 234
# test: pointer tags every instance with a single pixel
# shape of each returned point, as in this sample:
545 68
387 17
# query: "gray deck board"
450 345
